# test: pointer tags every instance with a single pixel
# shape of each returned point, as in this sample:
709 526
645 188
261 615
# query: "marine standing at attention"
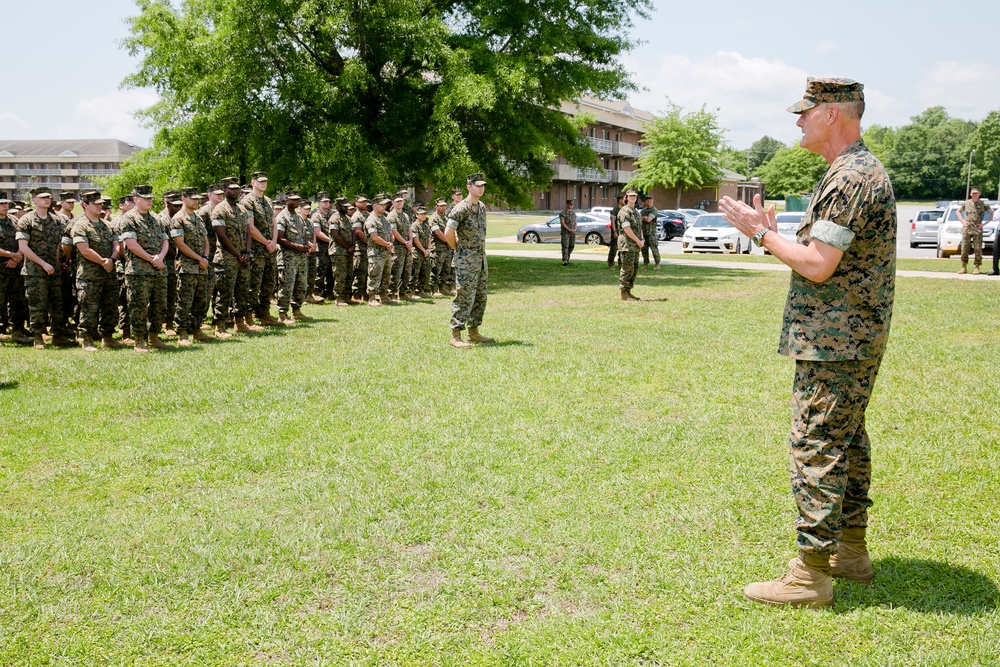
836 325
466 235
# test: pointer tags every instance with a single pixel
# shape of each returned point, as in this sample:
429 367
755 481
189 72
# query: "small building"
60 164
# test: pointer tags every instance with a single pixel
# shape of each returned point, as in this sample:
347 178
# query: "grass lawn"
596 489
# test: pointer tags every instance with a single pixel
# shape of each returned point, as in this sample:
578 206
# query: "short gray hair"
853 110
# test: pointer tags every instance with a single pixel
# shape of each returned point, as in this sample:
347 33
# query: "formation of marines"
224 256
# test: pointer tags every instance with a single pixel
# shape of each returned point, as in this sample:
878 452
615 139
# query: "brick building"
63 164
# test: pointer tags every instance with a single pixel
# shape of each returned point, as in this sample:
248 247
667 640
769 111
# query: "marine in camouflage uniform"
401 262
231 260
973 214
125 204
171 205
13 305
341 252
262 276
67 269
440 250
467 236
378 229
420 232
96 281
214 197
190 237
567 231
322 285
650 222
293 238
615 230
835 326
145 278
630 240
359 280
40 234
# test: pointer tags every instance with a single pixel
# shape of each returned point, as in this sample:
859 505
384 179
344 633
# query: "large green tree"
792 171
928 158
354 94
762 151
681 149
986 159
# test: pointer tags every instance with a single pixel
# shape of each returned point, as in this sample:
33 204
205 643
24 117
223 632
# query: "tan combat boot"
631 297
456 340
220 331
625 295
244 328
20 336
264 315
154 342
182 338
298 315
62 341
962 270
802 586
200 336
474 336
374 302
852 561
340 302
140 346
39 342
975 270
109 343
88 343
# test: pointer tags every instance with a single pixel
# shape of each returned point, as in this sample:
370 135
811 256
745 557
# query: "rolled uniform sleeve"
839 212
832 234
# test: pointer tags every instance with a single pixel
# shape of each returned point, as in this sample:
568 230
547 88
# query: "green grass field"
595 489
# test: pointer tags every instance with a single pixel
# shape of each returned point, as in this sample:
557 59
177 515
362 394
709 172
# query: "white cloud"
750 93
9 121
110 116
967 90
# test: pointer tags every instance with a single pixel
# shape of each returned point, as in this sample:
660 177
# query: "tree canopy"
792 171
681 149
371 95
928 158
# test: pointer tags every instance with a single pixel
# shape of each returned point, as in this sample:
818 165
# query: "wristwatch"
758 238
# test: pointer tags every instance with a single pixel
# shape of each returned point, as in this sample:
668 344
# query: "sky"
745 61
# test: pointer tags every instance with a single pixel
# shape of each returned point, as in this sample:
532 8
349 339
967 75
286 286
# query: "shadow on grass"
924 586
8 384
520 273
506 343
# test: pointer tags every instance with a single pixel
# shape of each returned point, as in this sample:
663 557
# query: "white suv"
949 240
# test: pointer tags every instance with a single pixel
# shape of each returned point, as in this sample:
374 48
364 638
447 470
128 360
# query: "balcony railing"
99 172
600 145
593 175
38 172
621 176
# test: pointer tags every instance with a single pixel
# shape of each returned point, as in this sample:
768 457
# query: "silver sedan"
590 229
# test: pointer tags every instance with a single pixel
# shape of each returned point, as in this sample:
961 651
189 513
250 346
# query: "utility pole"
968 180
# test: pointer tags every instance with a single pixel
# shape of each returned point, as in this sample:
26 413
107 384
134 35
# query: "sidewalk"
746 266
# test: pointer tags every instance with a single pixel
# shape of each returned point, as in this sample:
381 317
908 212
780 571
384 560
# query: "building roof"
84 148
618 113
728 175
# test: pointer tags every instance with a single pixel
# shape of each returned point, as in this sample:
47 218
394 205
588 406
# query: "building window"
618 164
604 192
618 136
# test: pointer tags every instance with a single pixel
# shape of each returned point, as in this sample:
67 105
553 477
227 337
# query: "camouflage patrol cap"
476 179
172 197
631 191
259 176
419 208
322 196
40 191
399 197
90 197
144 191
124 198
351 205
440 201
341 201
67 196
382 199
456 191
190 193
359 197
292 194
216 189
231 182
106 203
825 91
5 198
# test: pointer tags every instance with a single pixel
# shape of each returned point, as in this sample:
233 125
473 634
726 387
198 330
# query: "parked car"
590 229
788 226
601 211
949 239
684 215
690 215
924 226
711 233
943 204
670 225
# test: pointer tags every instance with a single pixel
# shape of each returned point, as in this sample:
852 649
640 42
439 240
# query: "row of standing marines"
228 253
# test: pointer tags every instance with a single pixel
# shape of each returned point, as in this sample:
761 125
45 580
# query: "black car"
670 225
